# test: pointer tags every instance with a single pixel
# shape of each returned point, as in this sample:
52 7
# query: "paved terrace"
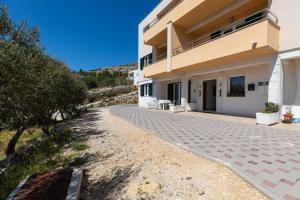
266 157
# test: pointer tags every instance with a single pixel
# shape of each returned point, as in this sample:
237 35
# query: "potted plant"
288 118
270 115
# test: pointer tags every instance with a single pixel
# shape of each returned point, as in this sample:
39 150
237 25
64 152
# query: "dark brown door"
204 95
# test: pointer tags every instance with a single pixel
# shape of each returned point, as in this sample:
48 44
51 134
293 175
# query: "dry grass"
28 135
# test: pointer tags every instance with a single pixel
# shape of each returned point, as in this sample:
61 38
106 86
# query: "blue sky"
85 33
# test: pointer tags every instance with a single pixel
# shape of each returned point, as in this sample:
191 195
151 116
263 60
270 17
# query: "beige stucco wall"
288 13
228 45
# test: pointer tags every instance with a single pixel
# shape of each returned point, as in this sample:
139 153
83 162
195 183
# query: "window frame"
147 92
229 92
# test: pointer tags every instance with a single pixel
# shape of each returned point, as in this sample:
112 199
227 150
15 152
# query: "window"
250 20
190 91
145 61
216 34
146 90
237 86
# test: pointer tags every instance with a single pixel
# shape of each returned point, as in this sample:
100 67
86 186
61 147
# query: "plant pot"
267 118
288 117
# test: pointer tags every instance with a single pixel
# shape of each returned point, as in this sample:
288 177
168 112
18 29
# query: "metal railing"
163 13
161 57
248 21
158 58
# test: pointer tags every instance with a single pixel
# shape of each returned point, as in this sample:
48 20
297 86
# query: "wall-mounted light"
254 43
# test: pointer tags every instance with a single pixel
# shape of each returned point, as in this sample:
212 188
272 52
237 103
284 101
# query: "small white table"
164 103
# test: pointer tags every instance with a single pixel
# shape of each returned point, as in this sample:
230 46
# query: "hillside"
120 68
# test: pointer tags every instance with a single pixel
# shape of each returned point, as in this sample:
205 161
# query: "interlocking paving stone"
268 158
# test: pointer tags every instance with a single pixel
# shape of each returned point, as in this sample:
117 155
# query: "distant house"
221 56
134 76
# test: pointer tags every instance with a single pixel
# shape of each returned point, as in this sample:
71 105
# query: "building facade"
134 76
220 56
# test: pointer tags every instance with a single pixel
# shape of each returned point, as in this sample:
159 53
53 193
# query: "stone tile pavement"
266 157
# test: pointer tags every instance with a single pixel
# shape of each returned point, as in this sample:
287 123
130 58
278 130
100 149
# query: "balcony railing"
158 58
161 57
164 12
248 21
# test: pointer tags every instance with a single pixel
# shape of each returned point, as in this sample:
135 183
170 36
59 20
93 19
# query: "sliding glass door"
174 93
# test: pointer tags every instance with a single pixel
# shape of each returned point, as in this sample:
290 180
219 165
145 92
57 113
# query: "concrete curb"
17 189
75 185
73 190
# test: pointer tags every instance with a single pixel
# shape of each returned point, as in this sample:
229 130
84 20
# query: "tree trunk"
62 115
45 129
11 147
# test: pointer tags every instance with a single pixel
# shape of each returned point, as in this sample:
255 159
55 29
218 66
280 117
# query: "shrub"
46 156
79 146
271 107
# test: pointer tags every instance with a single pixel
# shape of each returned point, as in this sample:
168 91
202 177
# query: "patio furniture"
191 106
176 108
164 104
153 104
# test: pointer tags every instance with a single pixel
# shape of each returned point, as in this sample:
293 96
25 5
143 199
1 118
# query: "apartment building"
221 56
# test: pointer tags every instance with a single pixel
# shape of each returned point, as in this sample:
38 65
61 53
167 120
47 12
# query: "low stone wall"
131 98
100 94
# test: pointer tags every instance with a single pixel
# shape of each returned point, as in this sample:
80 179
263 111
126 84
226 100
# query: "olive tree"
33 86
59 91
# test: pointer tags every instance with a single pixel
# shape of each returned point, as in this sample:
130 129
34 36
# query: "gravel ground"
130 164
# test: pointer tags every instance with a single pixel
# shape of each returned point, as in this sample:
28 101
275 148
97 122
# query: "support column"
275 89
154 53
169 46
184 91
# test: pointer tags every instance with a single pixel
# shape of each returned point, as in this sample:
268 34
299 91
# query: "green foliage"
46 156
271 107
90 81
104 78
29 135
78 146
33 86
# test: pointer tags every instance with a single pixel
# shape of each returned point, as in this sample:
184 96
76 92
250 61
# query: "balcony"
157 68
164 12
255 35
183 13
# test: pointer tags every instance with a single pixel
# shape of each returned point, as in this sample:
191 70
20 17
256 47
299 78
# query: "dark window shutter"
142 64
150 58
142 91
150 89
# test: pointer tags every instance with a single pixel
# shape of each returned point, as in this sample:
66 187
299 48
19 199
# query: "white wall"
289 80
297 98
291 84
241 106
143 49
288 15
